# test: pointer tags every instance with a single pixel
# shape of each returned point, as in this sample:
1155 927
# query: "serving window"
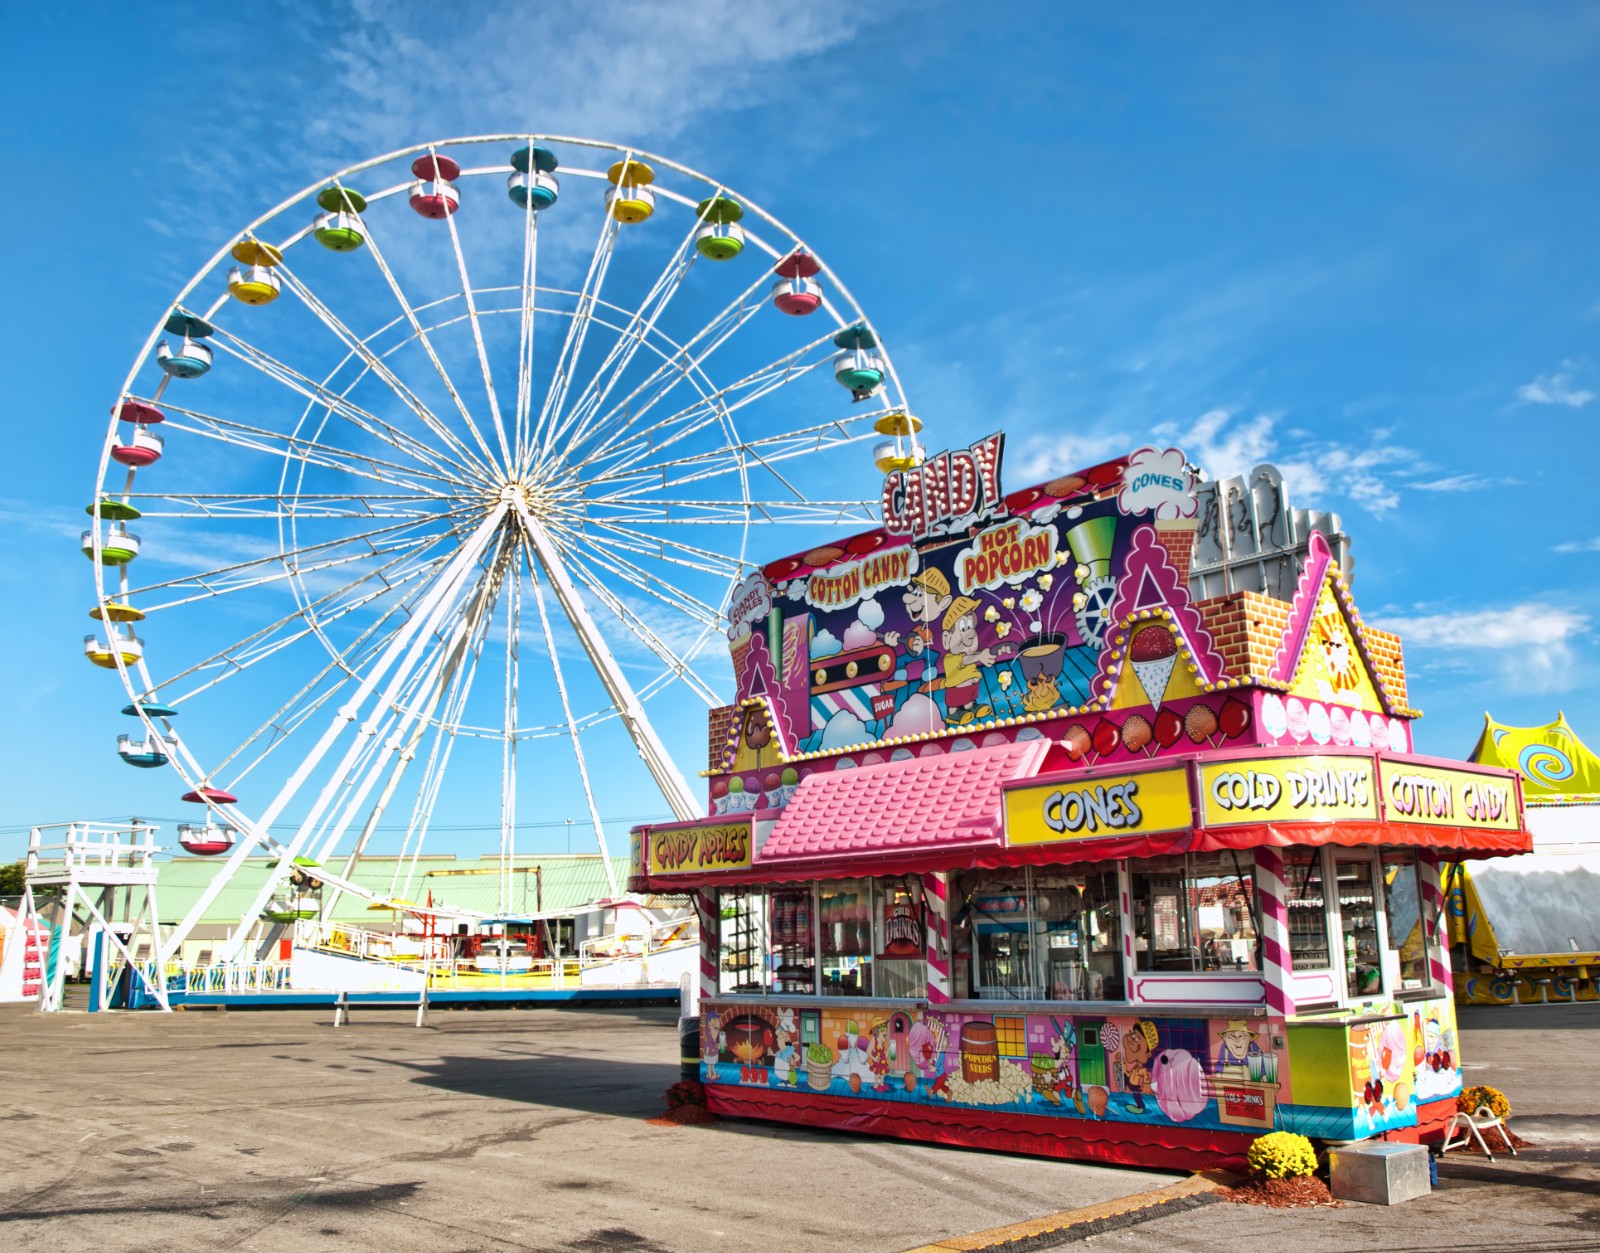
1407 942
841 937
1039 933
1195 913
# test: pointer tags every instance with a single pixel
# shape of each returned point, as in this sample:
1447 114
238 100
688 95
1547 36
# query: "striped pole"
1433 921
710 917
936 910
1277 966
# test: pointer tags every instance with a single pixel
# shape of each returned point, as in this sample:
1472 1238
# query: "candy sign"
1448 798
947 492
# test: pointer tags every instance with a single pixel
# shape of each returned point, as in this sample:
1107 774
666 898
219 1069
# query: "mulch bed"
1495 1141
1281 1193
683 1116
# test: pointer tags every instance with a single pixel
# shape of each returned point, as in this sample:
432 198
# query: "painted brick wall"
1387 659
1247 629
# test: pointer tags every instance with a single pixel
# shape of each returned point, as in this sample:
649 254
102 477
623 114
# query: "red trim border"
1126 1144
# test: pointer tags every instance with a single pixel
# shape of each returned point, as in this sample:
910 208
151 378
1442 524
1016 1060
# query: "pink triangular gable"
790 698
1150 581
1302 609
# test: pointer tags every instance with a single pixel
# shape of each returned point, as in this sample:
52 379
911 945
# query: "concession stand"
1012 843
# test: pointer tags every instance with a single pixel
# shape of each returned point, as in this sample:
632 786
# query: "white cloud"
1456 483
1590 545
1536 640
1555 389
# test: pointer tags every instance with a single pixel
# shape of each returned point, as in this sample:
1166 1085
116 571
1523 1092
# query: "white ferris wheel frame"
423 685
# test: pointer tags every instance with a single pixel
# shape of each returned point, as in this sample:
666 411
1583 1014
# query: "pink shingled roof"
925 802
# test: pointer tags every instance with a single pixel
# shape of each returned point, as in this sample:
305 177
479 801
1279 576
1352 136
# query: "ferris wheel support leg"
422 623
667 776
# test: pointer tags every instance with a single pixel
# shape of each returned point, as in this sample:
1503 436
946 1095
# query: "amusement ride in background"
467 405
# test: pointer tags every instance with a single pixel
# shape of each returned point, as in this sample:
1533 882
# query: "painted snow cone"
1153 653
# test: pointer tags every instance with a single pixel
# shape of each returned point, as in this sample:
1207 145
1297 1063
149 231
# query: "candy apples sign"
948 493
750 602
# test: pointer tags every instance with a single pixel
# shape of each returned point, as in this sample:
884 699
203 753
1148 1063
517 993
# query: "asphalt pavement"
530 1129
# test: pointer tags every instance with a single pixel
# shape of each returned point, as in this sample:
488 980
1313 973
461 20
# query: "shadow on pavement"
588 1085
1517 1178
1558 1016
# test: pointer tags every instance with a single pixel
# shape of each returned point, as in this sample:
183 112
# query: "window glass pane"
1162 927
1308 923
1079 930
1402 901
1358 923
845 909
1222 890
793 941
743 939
900 968
997 917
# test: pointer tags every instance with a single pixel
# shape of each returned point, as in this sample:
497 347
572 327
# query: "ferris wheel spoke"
224 506
643 509
525 328
238 657
477 339
241 575
753 384
677 367
662 548
733 457
410 313
678 667
338 403
639 327
572 344
291 447
611 551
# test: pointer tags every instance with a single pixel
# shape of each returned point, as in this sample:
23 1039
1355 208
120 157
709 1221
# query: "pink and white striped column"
1434 923
1277 966
710 916
936 912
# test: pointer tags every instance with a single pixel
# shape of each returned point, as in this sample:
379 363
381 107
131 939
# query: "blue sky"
1357 241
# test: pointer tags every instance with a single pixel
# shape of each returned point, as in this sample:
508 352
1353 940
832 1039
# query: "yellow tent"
1556 766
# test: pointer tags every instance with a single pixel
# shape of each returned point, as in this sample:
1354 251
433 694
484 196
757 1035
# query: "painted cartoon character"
786 1061
927 596
1238 1046
962 657
712 1042
878 1056
1138 1044
927 1041
1063 1087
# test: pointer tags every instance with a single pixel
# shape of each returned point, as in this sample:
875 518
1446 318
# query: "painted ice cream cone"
1153 653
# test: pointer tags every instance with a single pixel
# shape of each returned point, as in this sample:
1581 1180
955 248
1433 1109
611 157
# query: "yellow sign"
1292 789
1083 809
1448 798
692 850
635 853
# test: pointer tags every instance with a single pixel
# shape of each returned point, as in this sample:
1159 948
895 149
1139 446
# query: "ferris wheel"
431 485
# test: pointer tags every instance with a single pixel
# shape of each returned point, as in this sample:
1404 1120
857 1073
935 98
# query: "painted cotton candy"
1179 1084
